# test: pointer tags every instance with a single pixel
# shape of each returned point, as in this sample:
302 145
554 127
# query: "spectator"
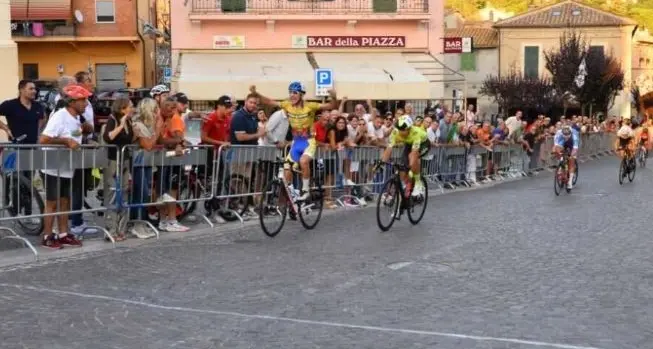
62 82
470 116
469 140
63 128
445 127
276 129
514 122
182 107
360 136
262 120
360 111
376 132
433 133
173 139
147 126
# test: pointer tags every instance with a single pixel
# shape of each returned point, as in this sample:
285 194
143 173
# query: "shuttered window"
468 61
531 62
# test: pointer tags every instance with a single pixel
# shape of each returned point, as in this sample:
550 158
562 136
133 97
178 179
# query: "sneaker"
305 196
78 230
362 202
50 242
165 198
418 190
349 183
174 226
140 232
69 239
163 226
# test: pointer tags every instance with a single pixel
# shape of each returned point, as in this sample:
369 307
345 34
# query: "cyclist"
567 139
301 116
416 144
644 139
160 93
625 136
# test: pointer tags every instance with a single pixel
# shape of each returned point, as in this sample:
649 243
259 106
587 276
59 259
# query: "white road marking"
299 321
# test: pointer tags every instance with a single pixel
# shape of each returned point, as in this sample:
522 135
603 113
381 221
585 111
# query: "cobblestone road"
510 266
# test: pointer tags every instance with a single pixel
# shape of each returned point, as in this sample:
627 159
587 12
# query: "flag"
582 73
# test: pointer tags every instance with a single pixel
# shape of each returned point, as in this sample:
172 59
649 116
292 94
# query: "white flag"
582 73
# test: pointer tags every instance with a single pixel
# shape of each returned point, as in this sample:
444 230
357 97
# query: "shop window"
105 11
30 71
468 61
531 62
233 5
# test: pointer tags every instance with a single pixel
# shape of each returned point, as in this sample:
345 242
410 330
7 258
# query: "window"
531 62
105 11
468 61
600 50
30 71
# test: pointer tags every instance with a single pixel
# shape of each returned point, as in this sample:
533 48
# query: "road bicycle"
561 174
397 196
627 166
280 200
21 194
642 154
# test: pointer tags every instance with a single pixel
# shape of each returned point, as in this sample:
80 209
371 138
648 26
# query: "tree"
563 62
514 91
604 81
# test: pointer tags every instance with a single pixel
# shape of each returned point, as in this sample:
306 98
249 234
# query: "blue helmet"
296 86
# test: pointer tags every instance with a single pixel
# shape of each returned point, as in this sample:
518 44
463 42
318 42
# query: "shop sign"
307 41
457 45
228 42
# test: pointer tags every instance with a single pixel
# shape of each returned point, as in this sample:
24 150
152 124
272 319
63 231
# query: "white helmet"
159 89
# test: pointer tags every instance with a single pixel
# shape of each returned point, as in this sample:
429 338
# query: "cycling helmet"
159 89
403 123
566 130
296 86
75 92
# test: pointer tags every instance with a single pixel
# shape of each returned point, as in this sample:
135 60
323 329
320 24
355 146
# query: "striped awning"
40 10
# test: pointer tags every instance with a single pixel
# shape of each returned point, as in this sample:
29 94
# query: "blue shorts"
301 146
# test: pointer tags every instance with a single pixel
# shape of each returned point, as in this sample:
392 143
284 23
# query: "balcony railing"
309 6
37 29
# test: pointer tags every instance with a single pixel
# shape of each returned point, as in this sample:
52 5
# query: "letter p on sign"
323 82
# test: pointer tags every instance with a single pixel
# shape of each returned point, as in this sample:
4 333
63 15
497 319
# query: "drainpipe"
140 36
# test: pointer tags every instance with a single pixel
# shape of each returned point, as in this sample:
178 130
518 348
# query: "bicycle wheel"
312 209
622 171
422 201
558 183
239 185
274 204
390 197
186 193
575 171
27 195
633 169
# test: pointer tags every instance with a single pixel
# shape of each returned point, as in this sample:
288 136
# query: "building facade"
103 37
8 56
524 38
378 49
643 60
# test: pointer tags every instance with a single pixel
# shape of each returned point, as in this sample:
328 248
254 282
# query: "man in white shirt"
63 128
514 122
376 132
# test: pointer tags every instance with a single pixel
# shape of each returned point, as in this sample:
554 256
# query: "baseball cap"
225 101
181 98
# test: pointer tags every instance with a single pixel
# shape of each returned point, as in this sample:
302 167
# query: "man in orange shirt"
172 138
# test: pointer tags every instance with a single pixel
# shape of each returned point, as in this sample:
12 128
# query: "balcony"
288 8
58 30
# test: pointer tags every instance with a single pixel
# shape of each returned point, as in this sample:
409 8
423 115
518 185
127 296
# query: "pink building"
379 49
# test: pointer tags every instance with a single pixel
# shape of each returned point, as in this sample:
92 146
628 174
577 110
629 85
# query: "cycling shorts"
623 143
424 148
301 146
567 145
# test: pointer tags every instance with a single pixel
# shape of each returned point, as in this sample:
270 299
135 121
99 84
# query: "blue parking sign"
323 81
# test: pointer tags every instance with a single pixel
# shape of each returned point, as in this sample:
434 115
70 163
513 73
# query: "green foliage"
513 91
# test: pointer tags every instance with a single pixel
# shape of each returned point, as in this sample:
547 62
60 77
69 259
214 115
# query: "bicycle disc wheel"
312 209
622 171
418 205
29 195
388 198
273 205
631 173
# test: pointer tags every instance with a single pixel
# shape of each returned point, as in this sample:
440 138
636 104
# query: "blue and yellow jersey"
300 118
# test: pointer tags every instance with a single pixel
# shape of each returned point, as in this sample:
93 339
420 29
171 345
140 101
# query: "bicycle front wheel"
622 171
418 205
312 209
558 183
633 169
273 208
389 198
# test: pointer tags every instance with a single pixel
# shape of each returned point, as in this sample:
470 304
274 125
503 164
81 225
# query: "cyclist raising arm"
567 139
416 144
301 116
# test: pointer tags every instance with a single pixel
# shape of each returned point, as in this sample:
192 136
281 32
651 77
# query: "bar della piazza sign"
348 41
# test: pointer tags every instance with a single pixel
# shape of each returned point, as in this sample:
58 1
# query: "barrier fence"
137 186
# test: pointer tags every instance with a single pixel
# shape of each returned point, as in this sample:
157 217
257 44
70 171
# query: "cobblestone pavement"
510 266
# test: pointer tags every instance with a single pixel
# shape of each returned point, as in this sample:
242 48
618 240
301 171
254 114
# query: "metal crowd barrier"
25 202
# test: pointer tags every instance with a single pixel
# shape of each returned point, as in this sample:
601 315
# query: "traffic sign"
323 81
167 74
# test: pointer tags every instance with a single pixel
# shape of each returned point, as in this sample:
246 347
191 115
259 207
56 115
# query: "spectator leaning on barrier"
276 129
216 130
173 139
63 128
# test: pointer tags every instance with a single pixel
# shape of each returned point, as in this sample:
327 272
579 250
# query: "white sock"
305 184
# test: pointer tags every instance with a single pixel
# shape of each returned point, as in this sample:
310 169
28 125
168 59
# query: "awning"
40 10
207 76
374 75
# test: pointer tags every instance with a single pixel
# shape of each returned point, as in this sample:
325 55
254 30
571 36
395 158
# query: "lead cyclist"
416 144
567 138
301 117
